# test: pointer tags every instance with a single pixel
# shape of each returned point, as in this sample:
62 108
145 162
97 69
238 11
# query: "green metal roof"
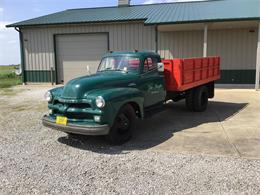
179 12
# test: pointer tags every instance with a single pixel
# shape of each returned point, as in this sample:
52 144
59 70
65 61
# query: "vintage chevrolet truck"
127 86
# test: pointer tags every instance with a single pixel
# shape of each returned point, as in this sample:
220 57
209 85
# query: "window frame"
135 71
153 58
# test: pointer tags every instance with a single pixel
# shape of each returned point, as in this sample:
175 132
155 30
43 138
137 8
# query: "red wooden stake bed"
187 73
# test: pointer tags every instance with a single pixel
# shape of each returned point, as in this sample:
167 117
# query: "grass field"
8 77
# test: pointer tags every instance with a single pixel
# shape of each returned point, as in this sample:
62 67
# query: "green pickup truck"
126 86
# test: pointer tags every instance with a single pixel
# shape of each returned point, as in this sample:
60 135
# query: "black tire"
189 100
122 129
200 99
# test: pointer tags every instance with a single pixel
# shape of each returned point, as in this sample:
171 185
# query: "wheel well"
136 108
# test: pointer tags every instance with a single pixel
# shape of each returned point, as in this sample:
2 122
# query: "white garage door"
76 52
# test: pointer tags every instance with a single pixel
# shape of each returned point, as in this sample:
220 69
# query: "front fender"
115 98
56 92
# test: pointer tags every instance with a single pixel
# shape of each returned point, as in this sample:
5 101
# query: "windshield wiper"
109 69
105 69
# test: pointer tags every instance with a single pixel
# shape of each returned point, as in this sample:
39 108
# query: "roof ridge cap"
136 5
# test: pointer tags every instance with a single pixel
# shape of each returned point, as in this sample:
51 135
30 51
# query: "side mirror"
160 67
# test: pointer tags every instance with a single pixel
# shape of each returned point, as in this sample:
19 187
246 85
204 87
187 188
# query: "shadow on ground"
160 128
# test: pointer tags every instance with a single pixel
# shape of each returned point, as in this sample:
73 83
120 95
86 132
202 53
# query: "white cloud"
165 1
9 45
1 9
2 25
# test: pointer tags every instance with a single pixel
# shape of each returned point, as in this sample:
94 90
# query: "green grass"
8 77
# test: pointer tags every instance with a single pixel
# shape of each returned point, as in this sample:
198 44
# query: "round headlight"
48 96
100 102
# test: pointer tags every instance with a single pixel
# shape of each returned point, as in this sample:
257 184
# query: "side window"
150 64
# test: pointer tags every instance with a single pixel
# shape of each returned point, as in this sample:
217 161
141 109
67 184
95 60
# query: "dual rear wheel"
197 99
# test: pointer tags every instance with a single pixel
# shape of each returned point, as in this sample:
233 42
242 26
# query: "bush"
9 82
8 75
8 78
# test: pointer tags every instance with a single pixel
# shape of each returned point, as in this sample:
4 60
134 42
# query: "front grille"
80 116
73 115
73 105
79 105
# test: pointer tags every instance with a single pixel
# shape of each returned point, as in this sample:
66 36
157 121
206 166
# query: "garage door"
76 52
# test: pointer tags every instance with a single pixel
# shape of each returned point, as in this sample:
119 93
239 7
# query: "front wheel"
122 129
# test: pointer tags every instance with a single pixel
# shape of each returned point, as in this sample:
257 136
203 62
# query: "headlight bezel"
100 102
48 96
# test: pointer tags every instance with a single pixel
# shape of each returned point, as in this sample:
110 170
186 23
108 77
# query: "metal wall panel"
39 43
237 47
180 44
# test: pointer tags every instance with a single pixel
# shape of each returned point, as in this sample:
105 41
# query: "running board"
152 110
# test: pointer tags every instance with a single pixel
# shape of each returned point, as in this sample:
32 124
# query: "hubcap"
123 123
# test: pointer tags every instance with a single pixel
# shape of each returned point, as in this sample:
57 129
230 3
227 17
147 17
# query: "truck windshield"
119 63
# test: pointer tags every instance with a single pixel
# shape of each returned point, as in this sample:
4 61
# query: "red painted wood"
187 73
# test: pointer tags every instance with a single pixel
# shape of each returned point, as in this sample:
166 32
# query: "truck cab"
126 86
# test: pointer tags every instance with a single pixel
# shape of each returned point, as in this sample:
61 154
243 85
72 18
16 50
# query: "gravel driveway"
37 160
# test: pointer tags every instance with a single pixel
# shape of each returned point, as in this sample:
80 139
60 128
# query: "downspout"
22 54
257 72
205 41
156 38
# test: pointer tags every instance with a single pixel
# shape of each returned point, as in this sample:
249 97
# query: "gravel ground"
37 160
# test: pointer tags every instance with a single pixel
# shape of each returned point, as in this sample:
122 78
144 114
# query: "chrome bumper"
77 129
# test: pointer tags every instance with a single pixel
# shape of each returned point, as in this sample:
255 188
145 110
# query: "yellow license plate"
61 120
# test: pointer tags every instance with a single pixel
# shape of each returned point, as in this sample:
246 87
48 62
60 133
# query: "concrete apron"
230 126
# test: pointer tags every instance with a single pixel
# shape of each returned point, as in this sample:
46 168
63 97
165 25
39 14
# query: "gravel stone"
37 160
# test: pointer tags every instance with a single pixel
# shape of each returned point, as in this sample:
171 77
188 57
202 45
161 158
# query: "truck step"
152 110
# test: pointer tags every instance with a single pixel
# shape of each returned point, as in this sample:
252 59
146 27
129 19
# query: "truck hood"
80 87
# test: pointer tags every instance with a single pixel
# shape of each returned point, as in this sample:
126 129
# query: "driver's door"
152 83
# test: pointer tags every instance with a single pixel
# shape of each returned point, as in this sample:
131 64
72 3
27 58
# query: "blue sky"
18 10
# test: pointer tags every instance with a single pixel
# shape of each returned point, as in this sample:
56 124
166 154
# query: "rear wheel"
189 100
200 101
122 128
197 99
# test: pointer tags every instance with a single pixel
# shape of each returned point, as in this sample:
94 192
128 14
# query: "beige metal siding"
237 47
39 44
76 52
180 44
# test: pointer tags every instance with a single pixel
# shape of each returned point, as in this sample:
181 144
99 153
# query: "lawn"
8 77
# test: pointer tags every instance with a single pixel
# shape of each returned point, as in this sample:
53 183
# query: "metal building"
60 46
